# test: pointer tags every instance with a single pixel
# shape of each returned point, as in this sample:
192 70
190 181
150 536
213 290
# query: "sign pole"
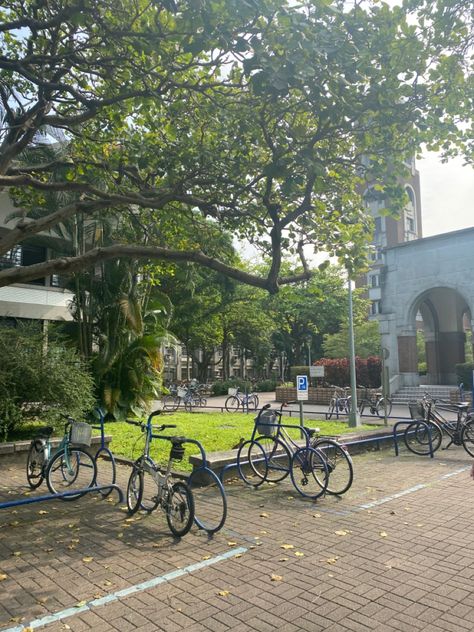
301 396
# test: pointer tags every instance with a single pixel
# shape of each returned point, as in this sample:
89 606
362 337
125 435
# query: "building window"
375 308
374 280
12 258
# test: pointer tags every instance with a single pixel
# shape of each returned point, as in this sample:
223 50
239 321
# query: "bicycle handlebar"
142 425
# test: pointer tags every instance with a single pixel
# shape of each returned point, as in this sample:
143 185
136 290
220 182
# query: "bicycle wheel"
416 437
134 489
277 464
362 407
339 464
170 402
202 402
332 406
467 436
180 509
74 470
232 404
150 497
106 469
210 502
35 464
246 472
380 407
309 472
189 403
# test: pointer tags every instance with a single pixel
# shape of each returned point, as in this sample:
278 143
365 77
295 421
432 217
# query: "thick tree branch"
68 265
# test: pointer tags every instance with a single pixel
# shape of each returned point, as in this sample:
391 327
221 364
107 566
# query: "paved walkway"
396 553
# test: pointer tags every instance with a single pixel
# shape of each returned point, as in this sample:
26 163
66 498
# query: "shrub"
265 385
40 377
221 388
337 371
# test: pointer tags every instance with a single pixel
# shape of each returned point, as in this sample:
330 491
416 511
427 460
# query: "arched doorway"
441 317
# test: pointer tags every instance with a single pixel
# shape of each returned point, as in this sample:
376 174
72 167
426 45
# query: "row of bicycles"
275 450
369 402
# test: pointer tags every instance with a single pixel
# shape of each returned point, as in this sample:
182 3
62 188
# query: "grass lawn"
216 432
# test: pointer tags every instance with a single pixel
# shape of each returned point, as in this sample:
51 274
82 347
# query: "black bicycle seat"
45 431
311 431
177 440
463 405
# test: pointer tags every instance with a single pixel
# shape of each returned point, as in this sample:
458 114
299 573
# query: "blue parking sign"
301 387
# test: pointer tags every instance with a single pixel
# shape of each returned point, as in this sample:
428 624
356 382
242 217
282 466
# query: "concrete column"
408 360
451 352
432 359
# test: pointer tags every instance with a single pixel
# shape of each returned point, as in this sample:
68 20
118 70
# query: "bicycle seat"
463 406
312 431
176 440
45 432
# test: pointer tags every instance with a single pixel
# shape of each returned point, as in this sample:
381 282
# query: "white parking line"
125 592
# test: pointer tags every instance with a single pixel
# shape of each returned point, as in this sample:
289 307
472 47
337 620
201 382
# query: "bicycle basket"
232 391
417 410
266 417
177 452
182 392
81 433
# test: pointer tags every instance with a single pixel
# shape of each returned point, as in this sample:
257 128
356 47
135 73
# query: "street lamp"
354 417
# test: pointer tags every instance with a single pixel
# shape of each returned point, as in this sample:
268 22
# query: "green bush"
40 377
221 388
265 386
464 373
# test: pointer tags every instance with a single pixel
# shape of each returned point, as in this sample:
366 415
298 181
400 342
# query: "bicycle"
174 497
460 431
376 403
340 402
238 400
338 460
70 467
188 396
273 455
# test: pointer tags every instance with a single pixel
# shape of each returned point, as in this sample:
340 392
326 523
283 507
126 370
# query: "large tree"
264 115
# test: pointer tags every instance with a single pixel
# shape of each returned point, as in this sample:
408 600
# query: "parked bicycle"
340 403
174 497
272 454
187 396
237 400
375 403
460 431
71 467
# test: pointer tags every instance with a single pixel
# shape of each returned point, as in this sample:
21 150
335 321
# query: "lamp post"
354 417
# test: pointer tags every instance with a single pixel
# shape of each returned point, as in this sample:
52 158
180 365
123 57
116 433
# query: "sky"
447 195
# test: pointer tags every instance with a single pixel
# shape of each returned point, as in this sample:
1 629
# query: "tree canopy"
266 117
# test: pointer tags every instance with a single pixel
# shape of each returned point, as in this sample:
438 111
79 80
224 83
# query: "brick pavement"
404 562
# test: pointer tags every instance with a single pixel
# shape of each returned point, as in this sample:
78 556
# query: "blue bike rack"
406 422
76 492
